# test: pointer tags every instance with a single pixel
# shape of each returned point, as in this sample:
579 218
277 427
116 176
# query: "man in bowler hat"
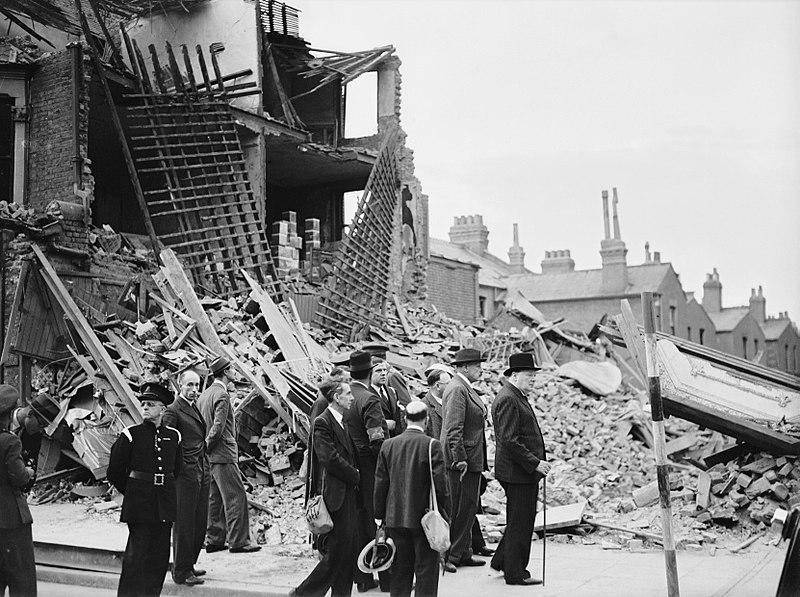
519 464
464 442
228 518
192 484
367 427
17 567
143 465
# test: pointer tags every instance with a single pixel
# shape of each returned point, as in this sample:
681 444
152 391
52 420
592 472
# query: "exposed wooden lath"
358 287
190 162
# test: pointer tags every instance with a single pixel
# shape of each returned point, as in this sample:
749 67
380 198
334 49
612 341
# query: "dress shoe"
528 582
363 587
191 580
470 562
450 567
198 571
485 551
245 549
212 547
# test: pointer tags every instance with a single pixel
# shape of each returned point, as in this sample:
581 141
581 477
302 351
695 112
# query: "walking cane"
544 528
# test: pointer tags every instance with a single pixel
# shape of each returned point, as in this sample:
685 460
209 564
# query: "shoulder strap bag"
317 516
436 528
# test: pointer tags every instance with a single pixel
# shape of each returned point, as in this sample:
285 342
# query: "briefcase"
436 528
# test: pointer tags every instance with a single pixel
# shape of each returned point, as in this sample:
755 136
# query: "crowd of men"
375 455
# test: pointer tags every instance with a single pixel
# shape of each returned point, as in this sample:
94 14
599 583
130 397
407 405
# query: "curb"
105 580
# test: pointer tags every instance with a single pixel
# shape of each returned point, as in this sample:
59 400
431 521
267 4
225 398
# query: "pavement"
572 568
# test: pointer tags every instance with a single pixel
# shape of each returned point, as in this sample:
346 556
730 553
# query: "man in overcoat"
438 377
192 484
464 442
334 455
519 464
143 465
228 518
367 427
393 412
17 565
402 494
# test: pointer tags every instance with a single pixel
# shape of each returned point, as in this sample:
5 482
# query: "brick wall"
52 141
453 288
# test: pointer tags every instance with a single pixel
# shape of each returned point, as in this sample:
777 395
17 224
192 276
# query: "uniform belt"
154 478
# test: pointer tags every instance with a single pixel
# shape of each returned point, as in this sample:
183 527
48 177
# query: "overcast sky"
524 111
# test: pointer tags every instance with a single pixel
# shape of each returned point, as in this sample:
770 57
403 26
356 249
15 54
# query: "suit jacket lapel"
187 408
342 436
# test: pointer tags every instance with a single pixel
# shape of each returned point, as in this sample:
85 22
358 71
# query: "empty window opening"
361 107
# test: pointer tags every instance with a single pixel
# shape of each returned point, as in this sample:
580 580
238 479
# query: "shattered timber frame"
192 168
359 285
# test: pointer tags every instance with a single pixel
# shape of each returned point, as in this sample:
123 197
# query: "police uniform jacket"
463 436
14 510
148 450
520 445
215 406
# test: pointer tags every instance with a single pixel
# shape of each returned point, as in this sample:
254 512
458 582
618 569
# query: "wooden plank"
561 517
401 314
633 337
681 443
703 489
90 340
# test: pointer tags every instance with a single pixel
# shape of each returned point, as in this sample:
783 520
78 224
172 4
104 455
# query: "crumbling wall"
453 288
56 143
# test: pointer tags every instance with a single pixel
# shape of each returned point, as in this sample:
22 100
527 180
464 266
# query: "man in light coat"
228 518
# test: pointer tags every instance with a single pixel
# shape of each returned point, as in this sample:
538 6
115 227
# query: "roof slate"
728 318
492 268
773 328
588 283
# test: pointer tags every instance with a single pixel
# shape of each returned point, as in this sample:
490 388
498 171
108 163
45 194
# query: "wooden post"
659 443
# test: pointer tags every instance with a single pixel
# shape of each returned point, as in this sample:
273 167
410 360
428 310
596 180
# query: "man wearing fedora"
17 567
143 465
192 485
228 519
367 426
464 442
519 464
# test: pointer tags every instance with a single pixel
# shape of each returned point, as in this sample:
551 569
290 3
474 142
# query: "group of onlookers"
375 454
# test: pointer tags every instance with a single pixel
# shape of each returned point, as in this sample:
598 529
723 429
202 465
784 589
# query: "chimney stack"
469 232
648 258
712 292
557 262
516 254
613 251
758 305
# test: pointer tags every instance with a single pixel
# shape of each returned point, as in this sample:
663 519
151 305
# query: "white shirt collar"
436 398
220 382
338 416
414 426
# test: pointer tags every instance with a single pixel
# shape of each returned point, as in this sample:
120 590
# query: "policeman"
17 567
144 462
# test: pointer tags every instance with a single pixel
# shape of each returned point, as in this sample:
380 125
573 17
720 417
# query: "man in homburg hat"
17 567
143 465
228 519
367 427
402 496
192 484
519 464
464 443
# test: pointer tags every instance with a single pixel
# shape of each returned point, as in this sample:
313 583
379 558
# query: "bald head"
416 411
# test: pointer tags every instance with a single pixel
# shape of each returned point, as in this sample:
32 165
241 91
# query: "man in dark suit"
193 482
392 410
143 465
438 377
367 426
519 463
228 518
17 567
402 493
464 442
394 379
333 452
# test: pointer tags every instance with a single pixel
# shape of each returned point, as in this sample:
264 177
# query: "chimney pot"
657 256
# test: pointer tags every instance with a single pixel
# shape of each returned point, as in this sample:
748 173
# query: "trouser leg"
478 542
461 529
188 487
201 514
520 517
403 564
426 567
158 558
134 562
366 530
17 564
234 499
215 531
